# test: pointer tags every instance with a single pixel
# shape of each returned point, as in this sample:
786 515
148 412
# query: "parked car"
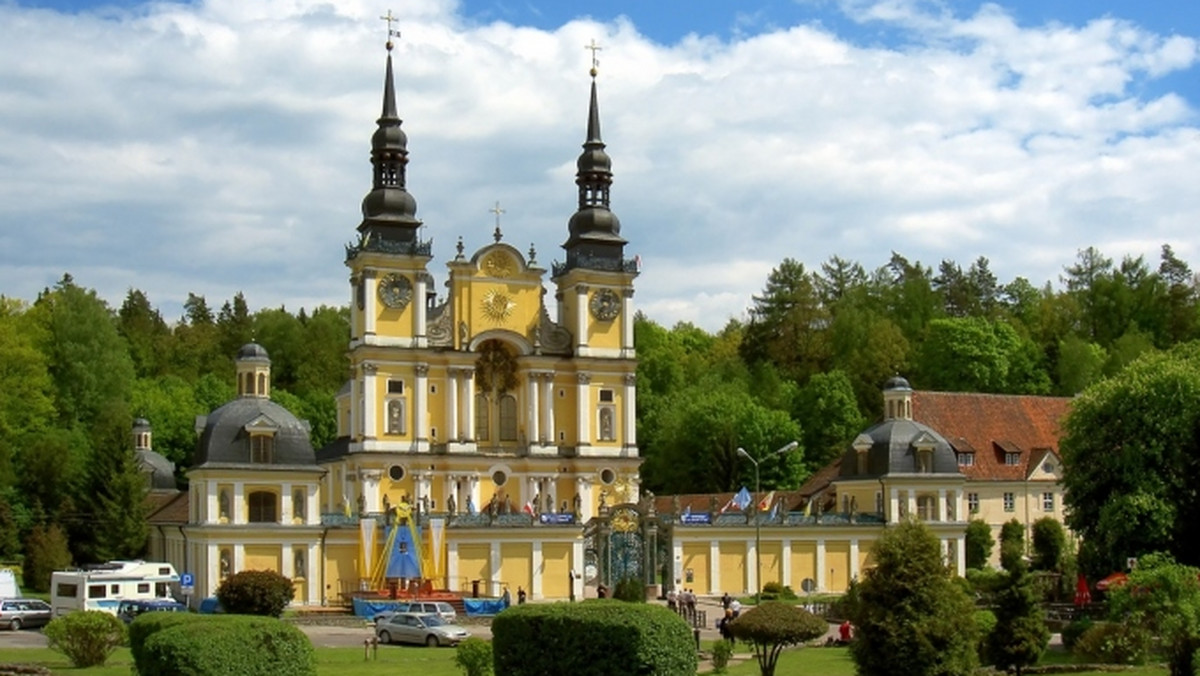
128 610
430 630
18 613
440 608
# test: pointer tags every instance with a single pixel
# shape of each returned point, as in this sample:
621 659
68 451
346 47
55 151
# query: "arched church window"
263 507
395 417
508 418
262 383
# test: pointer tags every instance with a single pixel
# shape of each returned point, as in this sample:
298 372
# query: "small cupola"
141 435
897 399
253 372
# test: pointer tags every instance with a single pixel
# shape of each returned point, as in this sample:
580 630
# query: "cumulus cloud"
222 145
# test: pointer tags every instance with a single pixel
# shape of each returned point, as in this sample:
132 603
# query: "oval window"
395 472
608 476
499 477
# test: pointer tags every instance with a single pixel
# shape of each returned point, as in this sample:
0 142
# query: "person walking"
520 596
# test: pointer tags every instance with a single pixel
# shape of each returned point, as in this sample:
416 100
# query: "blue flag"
742 499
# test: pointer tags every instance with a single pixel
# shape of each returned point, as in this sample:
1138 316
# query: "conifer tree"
1020 634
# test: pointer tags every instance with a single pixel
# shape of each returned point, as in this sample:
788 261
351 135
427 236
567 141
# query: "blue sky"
219 146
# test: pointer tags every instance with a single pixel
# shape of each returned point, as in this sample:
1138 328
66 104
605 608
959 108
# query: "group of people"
682 601
507 597
733 608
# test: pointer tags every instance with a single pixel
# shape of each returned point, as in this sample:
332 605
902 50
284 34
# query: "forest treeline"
806 364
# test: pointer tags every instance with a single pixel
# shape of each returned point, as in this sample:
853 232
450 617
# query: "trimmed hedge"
599 637
147 624
237 645
86 637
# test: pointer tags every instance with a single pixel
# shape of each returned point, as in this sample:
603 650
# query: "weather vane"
497 210
391 33
595 61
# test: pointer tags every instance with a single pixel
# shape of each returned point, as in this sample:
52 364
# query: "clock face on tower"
605 305
395 291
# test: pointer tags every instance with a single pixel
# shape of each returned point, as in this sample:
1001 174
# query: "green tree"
146 334
46 551
87 638
1080 364
828 416
977 355
772 626
1020 635
1012 545
1131 447
1049 542
1164 597
911 617
979 543
169 404
788 324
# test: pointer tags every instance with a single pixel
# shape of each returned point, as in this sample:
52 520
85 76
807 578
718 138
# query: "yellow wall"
771 555
260 557
865 559
341 570
473 564
695 558
804 563
516 565
556 566
733 567
837 565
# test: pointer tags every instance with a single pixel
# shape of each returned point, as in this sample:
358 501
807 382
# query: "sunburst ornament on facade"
497 306
498 265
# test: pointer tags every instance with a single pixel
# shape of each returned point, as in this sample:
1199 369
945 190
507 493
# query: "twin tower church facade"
477 433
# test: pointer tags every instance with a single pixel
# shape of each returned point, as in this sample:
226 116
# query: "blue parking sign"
187 580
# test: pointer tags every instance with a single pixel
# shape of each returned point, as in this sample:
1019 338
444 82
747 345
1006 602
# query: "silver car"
430 630
17 613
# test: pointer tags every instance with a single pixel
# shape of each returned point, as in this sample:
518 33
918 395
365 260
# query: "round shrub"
146 625
595 638
721 652
474 657
1113 643
229 644
86 637
1072 632
255 592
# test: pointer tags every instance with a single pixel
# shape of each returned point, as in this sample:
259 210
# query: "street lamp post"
757 516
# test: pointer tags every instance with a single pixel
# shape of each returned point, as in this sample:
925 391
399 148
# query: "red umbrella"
1114 580
1082 595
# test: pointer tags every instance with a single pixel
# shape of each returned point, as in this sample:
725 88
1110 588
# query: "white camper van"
104 586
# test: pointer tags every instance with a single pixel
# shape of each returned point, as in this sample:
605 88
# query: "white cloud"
223 145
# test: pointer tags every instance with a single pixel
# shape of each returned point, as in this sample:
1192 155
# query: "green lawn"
440 662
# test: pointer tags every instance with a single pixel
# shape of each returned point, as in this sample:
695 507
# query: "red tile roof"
166 508
991 425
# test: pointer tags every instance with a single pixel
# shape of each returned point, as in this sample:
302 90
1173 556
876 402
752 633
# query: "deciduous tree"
773 626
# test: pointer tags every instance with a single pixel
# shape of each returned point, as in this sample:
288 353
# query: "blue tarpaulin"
483 606
402 561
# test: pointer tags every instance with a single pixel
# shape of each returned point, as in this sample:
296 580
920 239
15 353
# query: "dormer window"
1012 459
924 460
862 447
966 459
262 449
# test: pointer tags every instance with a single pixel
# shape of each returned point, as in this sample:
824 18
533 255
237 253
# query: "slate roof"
990 425
225 441
161 470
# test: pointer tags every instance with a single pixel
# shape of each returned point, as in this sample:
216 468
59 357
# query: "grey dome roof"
225 440
141 424
161 470
893 451
896 383
252 351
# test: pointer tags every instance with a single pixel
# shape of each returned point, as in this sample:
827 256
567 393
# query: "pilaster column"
582 410
714 567
285 504
370 488
751 566
548 437
552 490
912 501
893 506
239 558
535 590
629 418
369 302
853 558
312 517
583 488
581 291
212 571
532 403
821 566
355 408
355 313
473 491
369 397
211 511
452 566
531 491
239 502
468 427
577 580
941 506
418 302
314 590
420 404
494 569
452 406
627 322
785 564
960 558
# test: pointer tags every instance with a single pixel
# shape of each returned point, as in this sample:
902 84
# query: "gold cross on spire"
497 210
595 62
391 33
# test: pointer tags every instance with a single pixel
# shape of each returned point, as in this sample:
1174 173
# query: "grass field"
440 662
